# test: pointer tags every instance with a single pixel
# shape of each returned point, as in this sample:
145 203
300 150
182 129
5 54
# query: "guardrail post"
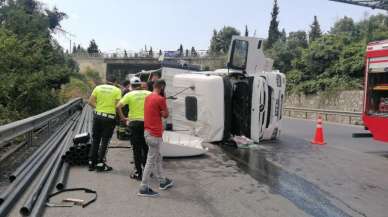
29 138
48 128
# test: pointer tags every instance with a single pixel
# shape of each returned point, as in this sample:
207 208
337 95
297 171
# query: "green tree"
187 52
283 35
93 47
281 55
221 40
297 39
273 32
215 44
151 52
344 25
246 31
33 65
160 52
315 30
54 18
193 52
180 50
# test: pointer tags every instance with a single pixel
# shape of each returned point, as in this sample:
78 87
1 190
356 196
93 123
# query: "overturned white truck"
246 98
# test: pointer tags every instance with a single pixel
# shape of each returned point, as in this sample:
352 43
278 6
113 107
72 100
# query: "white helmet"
135 80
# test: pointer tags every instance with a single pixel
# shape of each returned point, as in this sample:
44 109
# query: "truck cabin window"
239 55
191 108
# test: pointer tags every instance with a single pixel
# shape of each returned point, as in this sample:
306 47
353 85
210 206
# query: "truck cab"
246 98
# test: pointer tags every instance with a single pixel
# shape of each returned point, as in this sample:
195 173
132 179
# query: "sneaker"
92 167
136 176
103 167
166 184
147 192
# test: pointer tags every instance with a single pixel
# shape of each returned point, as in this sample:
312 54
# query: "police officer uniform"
135 101
104 121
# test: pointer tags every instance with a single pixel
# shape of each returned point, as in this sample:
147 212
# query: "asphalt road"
346 177
209 186
289 177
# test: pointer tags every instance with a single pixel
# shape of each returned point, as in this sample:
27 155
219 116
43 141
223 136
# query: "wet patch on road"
262 165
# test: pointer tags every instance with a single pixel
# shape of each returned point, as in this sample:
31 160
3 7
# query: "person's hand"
124 120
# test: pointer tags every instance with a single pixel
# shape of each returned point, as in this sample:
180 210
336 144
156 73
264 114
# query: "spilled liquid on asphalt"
302 193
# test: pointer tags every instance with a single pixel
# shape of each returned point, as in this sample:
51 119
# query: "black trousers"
102 133
139 146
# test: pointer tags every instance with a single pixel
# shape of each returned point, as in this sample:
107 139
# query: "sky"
165 24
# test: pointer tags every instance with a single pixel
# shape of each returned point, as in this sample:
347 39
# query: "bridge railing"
27 126
348 117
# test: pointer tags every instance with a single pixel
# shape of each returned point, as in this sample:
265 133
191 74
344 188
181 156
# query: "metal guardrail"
28 125
325 113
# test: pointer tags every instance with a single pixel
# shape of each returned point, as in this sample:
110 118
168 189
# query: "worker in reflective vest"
135 101
103 99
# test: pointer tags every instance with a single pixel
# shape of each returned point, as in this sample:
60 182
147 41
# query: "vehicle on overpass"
375 112
245 99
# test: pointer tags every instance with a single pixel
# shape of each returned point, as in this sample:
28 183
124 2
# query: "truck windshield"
238 59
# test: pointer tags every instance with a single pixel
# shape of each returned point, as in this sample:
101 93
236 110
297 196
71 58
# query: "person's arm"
93 99
163 108
119 107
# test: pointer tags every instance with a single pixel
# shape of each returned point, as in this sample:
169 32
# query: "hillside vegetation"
33 66
334 60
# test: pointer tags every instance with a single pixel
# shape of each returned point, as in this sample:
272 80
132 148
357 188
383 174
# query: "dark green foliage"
334 60
93 47
315 30
54 18
297 40
283 36
180 49
150 52
32 64
273 33
193 52
221 40
246 31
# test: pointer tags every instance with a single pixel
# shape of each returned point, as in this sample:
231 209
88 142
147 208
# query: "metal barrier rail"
28 125
325 113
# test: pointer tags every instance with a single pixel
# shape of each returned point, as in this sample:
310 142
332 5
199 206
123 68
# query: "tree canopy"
273 33
315 30
33 66
332 60
221 40
93 47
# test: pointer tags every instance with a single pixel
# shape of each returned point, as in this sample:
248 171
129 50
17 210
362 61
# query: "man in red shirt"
155 108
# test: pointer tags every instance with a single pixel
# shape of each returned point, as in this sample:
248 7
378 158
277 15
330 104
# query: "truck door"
258 108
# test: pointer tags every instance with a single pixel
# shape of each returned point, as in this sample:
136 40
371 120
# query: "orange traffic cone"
318 139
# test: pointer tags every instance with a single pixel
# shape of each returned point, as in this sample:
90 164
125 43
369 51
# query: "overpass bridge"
109 65
287 177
